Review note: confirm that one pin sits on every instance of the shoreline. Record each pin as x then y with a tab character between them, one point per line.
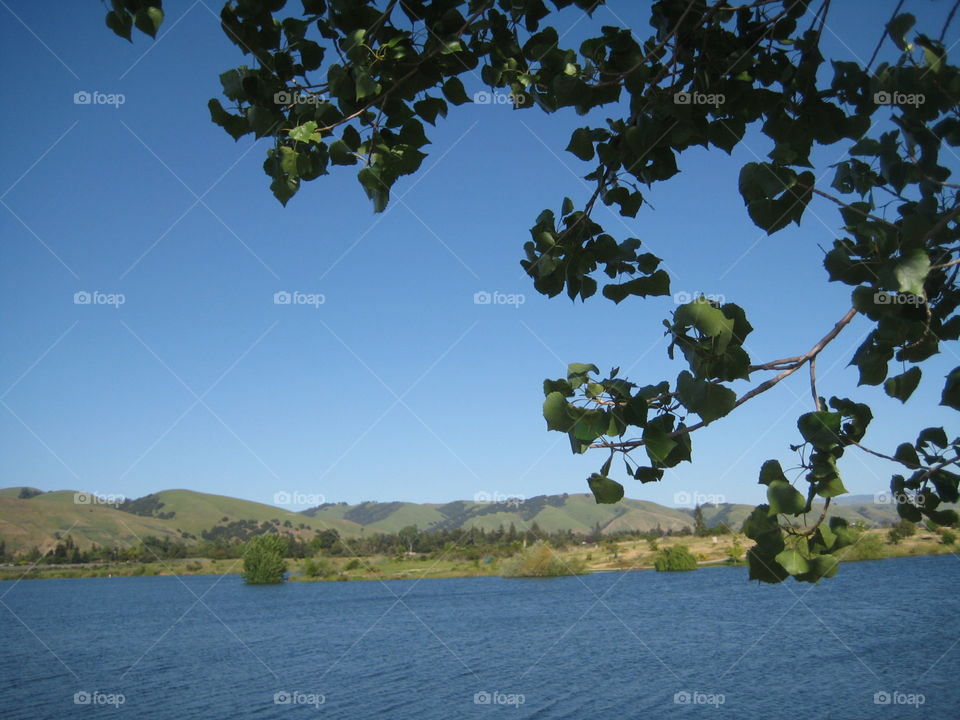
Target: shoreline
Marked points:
628	556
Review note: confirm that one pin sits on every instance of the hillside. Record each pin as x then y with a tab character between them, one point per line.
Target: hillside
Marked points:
185	515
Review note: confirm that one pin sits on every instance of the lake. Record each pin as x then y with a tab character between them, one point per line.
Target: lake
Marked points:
877	641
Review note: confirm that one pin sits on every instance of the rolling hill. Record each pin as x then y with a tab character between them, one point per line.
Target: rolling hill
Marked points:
35	518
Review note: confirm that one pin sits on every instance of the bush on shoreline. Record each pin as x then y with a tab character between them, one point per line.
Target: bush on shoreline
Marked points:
539	560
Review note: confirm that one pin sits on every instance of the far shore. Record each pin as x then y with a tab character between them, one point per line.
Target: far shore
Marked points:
603	557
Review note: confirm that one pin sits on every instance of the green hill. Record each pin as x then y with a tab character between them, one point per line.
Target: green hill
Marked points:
37	522
36	518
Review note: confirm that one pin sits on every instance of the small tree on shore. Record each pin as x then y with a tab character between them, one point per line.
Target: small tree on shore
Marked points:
263	562
674	558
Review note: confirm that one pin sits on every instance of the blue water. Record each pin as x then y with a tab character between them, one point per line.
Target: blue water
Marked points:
613	645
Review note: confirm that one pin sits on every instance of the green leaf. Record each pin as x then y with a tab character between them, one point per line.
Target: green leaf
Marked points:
902	386
604	489
793	561
305	133
375	187
453	91
148	20
898	28
429	108
657	284
911	271
121	24
709	400
581	144
236	125
771	471
555	412
823	566
365	85
784	499
648	474
764	568
821	429
761	181
951	390
708	319
658	443
763	528
262	121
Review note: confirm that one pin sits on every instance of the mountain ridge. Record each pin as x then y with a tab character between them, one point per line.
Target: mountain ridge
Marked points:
41	518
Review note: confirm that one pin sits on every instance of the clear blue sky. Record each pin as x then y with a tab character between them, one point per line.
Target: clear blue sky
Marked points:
398	387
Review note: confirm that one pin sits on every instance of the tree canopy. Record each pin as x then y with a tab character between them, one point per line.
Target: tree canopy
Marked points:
353	82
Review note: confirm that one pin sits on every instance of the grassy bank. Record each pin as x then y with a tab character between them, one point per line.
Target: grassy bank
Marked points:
632	555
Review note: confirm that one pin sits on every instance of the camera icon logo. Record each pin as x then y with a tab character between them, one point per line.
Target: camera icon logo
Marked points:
281	498
82	498
283	97
682	98
282	697
682	498
882	697
882	98
282	297
82	98
482	698
82	698
682	698
482	97
82	298
482	298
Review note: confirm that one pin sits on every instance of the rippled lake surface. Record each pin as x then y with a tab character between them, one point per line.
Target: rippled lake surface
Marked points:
874	642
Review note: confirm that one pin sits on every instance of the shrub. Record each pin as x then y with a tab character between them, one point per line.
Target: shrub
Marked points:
947	537
263	560
318	567
674	558
866	547
539	560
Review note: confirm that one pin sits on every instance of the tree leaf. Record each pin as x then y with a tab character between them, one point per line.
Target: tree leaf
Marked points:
604	489
821	429
793	561
581	144
902	386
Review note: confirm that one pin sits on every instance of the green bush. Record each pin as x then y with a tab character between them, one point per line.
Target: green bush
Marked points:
865	547
539	560
318	567
674	558
263	562
947	537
